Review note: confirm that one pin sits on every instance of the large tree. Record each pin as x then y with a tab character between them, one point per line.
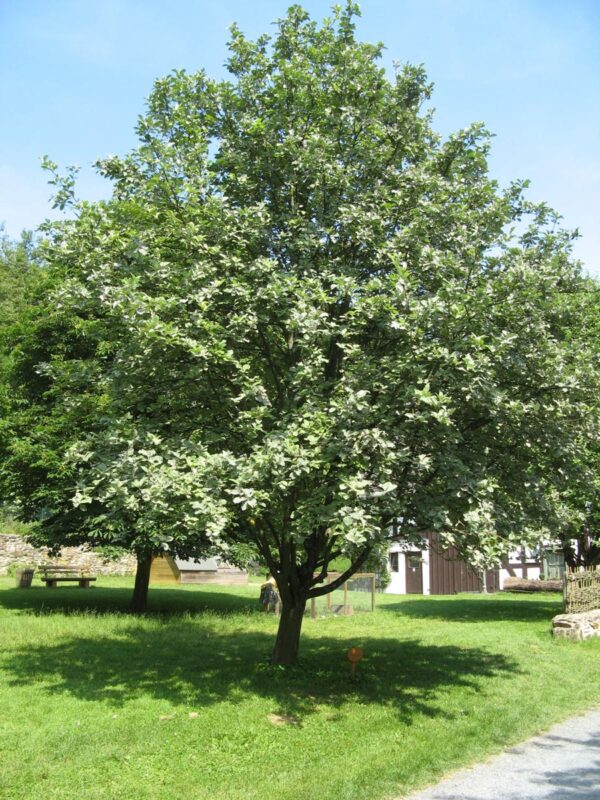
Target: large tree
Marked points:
79	457
332	307
87	470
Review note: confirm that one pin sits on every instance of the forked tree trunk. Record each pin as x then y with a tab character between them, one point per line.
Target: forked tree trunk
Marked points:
142	579
287	642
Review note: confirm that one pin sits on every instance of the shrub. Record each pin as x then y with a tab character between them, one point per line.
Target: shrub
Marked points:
16	566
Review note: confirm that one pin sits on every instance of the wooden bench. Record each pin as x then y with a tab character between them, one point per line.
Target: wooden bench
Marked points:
51	574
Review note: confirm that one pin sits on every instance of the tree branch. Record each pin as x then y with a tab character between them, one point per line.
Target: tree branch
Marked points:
330	587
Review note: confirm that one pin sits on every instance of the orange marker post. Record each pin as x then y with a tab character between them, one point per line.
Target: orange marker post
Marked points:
354	655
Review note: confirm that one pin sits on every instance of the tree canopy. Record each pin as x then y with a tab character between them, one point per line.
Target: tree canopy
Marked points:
20	274
305	317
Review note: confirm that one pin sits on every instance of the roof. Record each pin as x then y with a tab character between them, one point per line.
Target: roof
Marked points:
197	565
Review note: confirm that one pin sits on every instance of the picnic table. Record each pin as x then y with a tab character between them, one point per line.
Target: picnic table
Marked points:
51	574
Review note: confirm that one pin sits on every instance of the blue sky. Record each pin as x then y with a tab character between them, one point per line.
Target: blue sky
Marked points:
74	75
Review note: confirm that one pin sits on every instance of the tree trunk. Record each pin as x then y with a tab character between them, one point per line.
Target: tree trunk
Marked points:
287	642
142	579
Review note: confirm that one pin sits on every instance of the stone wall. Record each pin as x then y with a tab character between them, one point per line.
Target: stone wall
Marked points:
15	550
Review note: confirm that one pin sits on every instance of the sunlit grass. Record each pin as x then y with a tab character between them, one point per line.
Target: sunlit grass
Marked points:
97	703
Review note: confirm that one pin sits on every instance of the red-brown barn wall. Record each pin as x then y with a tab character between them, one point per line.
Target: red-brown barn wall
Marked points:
448	574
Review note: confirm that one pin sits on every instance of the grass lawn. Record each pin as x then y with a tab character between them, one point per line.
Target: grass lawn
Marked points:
97	703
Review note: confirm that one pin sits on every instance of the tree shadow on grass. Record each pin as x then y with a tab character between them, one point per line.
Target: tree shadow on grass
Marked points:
170	602
194	663
111	600
479	609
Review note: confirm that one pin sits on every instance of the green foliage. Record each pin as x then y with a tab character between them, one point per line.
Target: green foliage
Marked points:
377	562
110	553
10	524
20	276
17	566
19	273
577	490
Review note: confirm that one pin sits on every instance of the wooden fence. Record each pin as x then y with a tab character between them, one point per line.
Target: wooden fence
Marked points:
581	590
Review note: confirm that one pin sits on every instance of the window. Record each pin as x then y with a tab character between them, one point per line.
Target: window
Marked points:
394	562
414	561
553	566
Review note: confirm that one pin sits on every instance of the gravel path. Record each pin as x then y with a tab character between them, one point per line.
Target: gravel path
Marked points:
563	764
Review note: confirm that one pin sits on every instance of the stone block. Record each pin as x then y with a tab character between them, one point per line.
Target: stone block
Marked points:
567	633
580	626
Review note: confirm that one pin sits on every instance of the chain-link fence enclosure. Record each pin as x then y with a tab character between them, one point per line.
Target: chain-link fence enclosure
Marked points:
355	595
